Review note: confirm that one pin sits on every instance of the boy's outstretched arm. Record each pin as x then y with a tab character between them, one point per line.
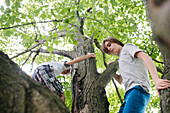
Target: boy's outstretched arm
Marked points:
81	58
159	83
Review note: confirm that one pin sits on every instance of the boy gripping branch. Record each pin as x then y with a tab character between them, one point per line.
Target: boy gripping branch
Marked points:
46	73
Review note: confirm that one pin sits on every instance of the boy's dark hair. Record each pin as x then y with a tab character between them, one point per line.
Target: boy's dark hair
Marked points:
111	40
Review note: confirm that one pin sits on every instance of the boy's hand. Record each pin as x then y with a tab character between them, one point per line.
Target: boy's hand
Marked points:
91	55
161	84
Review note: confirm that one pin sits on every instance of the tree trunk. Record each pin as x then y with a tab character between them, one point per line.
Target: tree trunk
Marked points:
20	94
158	12
88	86
165	94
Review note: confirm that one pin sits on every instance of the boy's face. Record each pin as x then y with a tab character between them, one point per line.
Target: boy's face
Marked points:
113	48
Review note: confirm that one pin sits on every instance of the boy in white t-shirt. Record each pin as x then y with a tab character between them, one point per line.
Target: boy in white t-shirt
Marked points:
46	73
133	67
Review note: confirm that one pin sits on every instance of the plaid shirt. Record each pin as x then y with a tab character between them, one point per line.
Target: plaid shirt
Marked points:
45	75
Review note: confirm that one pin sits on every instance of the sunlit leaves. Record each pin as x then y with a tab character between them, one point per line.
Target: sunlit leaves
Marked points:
43	16
50	49
123	19
113	2
113	98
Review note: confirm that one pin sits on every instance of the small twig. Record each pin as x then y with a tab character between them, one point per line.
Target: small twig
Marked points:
99	47
27	59
29	49
117	90
31	23
38	51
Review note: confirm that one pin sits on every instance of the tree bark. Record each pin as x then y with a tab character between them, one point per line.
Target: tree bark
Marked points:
20	94
158	12
88	86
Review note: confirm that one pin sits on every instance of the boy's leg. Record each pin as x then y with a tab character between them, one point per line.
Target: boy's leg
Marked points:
136	101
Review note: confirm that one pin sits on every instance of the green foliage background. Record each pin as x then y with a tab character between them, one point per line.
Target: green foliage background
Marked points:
21	21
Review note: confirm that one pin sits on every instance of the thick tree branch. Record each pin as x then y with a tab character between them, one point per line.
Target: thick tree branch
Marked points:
108	74
81	20
20	93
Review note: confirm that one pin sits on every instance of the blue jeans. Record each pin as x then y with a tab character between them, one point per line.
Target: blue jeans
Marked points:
136	100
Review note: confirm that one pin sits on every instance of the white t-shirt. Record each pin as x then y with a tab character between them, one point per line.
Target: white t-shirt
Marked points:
132	69
57	66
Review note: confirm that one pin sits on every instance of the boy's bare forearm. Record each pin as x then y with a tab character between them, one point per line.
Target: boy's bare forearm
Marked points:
78	59
81	58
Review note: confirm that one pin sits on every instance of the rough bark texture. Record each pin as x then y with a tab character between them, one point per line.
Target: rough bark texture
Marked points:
89	95
158	12
20	94
165	94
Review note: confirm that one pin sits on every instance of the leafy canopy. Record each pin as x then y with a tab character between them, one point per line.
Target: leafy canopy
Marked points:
23	21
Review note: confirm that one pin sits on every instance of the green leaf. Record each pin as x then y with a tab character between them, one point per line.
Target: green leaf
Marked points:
52	12
50	49
63	11
8	33
55	34
66	20
60	27
56	41
67	34
37	13
7	2
106	8
46	43
43	16
131	20
2	8
75	42
17	5
100	13
11	19
18	20
30	16
101	5
105	1
114	3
